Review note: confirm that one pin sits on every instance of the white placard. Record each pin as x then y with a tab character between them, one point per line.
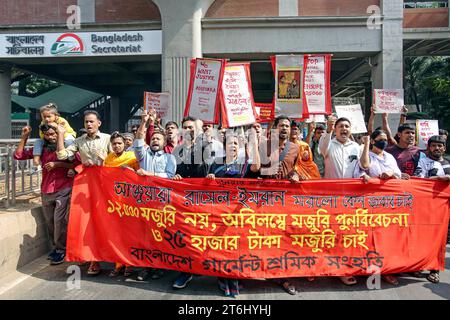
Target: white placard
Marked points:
202	103
314	86
318	118
237	98
425	129
388	100
81	44
354	114
160	102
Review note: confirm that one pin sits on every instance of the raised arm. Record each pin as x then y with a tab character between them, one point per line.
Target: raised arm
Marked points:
311	128
325	140
387	129
364	161
19	153
371	121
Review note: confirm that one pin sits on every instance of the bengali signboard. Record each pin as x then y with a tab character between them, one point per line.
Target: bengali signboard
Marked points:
251	228
81	44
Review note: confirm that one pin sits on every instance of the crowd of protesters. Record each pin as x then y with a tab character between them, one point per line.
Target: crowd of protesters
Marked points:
198	150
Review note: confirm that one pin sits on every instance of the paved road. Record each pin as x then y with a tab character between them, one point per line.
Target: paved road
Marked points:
41	281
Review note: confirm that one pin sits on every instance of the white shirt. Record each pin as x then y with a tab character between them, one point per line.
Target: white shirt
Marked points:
379	165
427	168
340	159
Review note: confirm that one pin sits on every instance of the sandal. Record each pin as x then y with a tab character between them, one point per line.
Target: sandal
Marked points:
289	288
433	277
127	272
94	269
348	281
390	279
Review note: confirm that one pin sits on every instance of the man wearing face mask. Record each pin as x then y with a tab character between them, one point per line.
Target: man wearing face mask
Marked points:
434	166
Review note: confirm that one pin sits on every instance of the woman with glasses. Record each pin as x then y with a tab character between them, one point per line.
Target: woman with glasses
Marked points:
120	158
232	166
377	163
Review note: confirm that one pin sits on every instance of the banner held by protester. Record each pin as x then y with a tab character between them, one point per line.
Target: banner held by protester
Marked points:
258	229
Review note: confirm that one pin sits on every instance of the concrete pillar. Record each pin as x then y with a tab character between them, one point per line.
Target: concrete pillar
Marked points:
5	102
113	115
387	70
87	10
182	41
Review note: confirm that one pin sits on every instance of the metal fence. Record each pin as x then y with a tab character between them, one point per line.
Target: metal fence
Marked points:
15	177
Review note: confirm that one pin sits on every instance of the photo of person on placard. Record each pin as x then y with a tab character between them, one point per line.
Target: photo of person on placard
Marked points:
289	84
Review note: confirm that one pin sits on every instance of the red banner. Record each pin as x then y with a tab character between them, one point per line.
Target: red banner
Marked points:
246	228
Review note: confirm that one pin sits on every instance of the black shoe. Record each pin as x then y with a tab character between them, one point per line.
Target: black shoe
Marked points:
51	254
143	274
58	258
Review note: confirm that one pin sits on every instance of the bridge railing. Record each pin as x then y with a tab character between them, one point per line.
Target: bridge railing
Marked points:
15	177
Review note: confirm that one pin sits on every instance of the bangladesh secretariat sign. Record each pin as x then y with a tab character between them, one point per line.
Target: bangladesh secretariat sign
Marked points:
147	42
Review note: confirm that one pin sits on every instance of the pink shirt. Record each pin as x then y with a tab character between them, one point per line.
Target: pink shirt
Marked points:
54	180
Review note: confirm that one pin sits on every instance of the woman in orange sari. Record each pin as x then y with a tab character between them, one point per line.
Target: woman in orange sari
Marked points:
120	158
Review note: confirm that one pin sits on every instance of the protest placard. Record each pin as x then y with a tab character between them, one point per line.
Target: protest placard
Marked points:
264	112
203	95
160	102
316	84
388	100
237	103
424	130
353	113
288	71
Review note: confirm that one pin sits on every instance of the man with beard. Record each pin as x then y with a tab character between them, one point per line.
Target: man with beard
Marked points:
190	164
434	166
153	161
56	187
341	156
171	130
405	153
281	166
285	155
